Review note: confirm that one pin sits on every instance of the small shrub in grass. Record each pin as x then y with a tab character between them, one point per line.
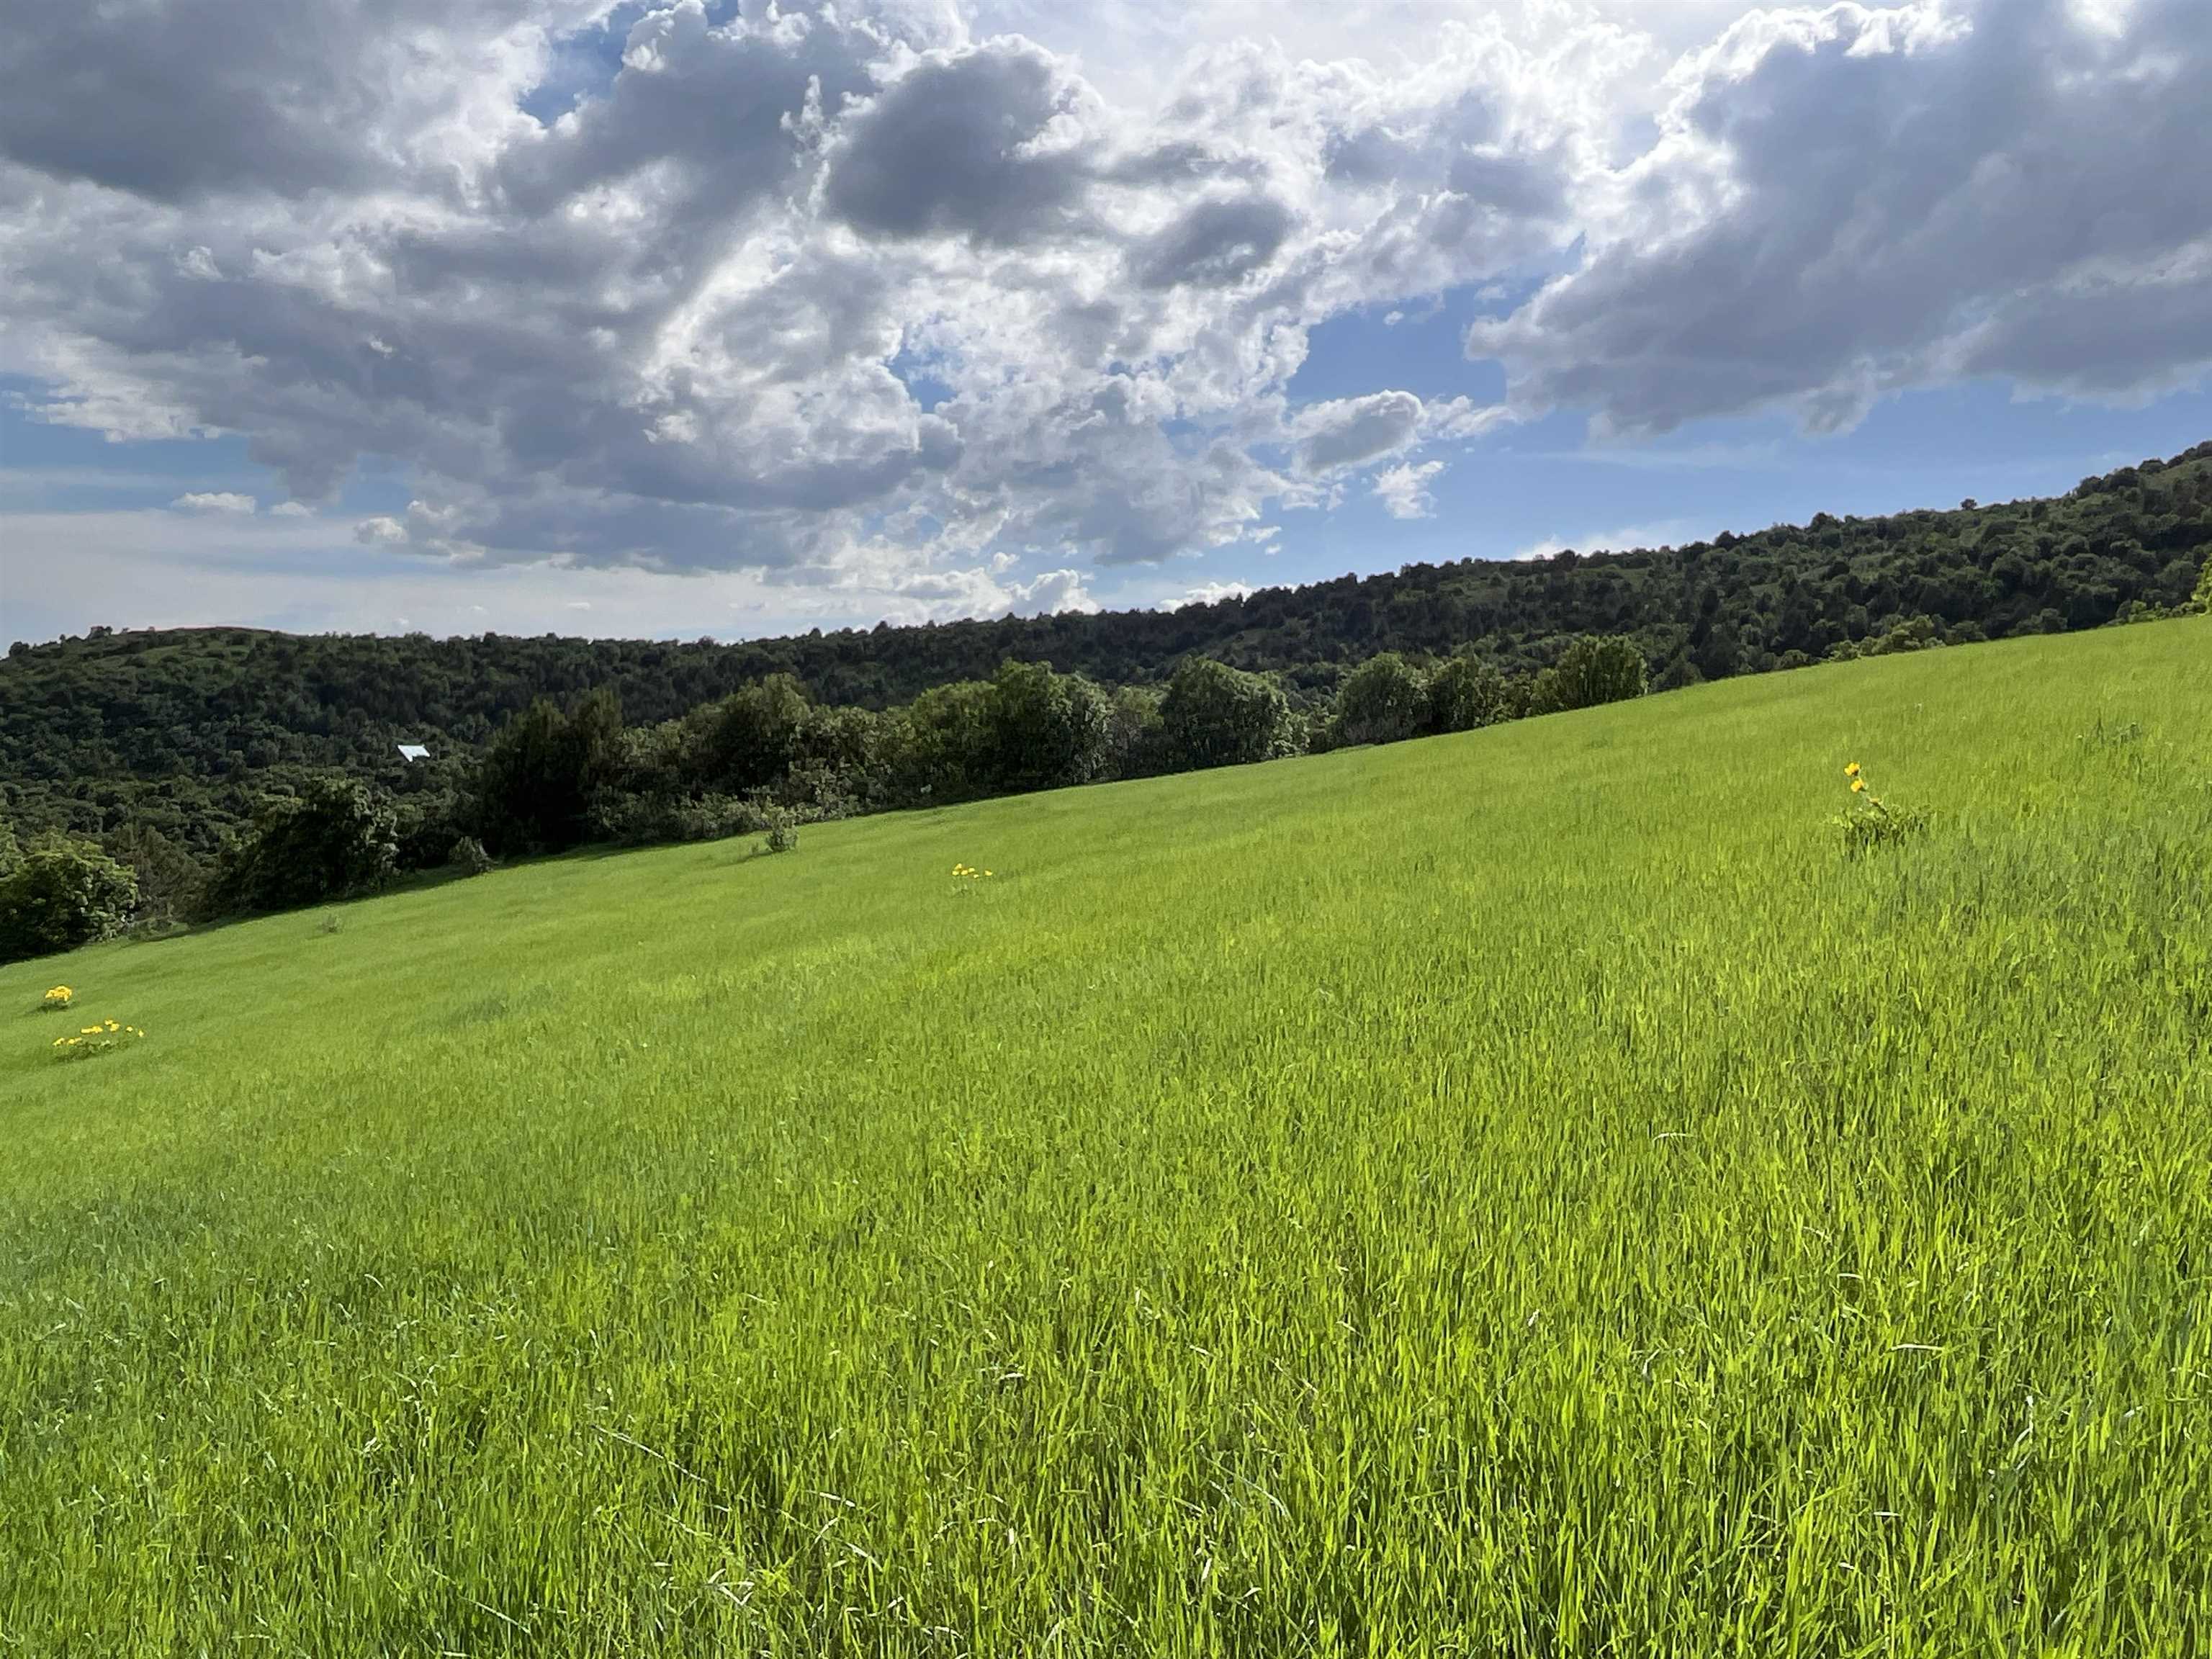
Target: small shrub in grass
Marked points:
468	857
782	836
58	999
1869	821
93	1040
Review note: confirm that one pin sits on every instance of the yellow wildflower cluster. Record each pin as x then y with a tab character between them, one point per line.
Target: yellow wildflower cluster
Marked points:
1858	783
57	999
968	873
103	1038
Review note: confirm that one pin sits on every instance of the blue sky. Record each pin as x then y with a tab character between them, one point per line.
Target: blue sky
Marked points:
653	318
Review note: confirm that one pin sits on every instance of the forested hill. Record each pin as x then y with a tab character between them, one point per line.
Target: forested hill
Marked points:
167	725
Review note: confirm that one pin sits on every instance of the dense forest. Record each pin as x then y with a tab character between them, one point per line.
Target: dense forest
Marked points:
181	733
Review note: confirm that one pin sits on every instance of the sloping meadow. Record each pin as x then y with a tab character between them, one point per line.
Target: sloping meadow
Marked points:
1529	1192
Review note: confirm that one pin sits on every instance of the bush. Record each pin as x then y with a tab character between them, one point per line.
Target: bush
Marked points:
468	857
782	836
938	748
1383	700
335	838
1045	731
1589	672
61	893
1466	693
1216	716
749	739
534	787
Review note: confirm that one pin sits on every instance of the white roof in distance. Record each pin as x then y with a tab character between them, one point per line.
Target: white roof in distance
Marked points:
413	751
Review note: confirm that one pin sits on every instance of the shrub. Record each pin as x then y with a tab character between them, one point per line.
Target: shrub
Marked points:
1869	822
782	836
61	893
1589	672
534	787
1466	693
1046	730
751	739
334	838
92	1042
1216	716
468	857
1383	700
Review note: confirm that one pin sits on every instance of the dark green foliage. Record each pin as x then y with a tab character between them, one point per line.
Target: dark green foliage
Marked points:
1384	699
1216	716
941	747
334	838
1465	692
751	739
469	858
1589	672
171	882
1045	731
534	789
178	734
61	892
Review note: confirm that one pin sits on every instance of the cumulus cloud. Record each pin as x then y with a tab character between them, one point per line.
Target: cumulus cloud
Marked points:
214	501
862	299
1845	203
1404	488
1349	430
1210	593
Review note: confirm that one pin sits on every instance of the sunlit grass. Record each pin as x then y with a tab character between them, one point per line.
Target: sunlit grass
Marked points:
1527	1194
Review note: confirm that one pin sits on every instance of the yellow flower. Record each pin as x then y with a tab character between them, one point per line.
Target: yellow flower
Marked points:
88	1031
1852	770
1858	786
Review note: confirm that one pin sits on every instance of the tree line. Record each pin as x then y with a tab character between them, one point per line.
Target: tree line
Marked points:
557	777
174	750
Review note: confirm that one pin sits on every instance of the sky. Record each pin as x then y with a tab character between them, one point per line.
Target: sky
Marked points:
727	318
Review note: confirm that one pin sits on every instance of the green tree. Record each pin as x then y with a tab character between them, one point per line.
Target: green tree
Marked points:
336	837
938	746
1383	700
60	893
753	737
1589	672
1046	730
534	789
1216	716
1467	692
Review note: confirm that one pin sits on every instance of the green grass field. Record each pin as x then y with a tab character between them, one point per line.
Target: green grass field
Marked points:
1522	1193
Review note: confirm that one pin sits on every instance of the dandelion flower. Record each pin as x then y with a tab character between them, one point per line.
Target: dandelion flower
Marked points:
1858	786
1852	770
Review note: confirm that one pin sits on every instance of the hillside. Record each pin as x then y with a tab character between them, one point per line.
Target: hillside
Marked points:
181	731
1521	1192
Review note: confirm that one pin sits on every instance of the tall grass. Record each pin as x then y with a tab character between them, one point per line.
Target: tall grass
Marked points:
1525	1194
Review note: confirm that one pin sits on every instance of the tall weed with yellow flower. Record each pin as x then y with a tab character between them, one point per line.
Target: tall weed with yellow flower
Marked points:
105	1038
1869	821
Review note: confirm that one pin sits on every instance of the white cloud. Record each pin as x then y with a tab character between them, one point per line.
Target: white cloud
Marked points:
1846	203
1404	488
214	501
1210	593
1625	539
292	510
687	325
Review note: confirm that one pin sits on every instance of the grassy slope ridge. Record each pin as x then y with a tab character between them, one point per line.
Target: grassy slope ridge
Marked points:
1522	1193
